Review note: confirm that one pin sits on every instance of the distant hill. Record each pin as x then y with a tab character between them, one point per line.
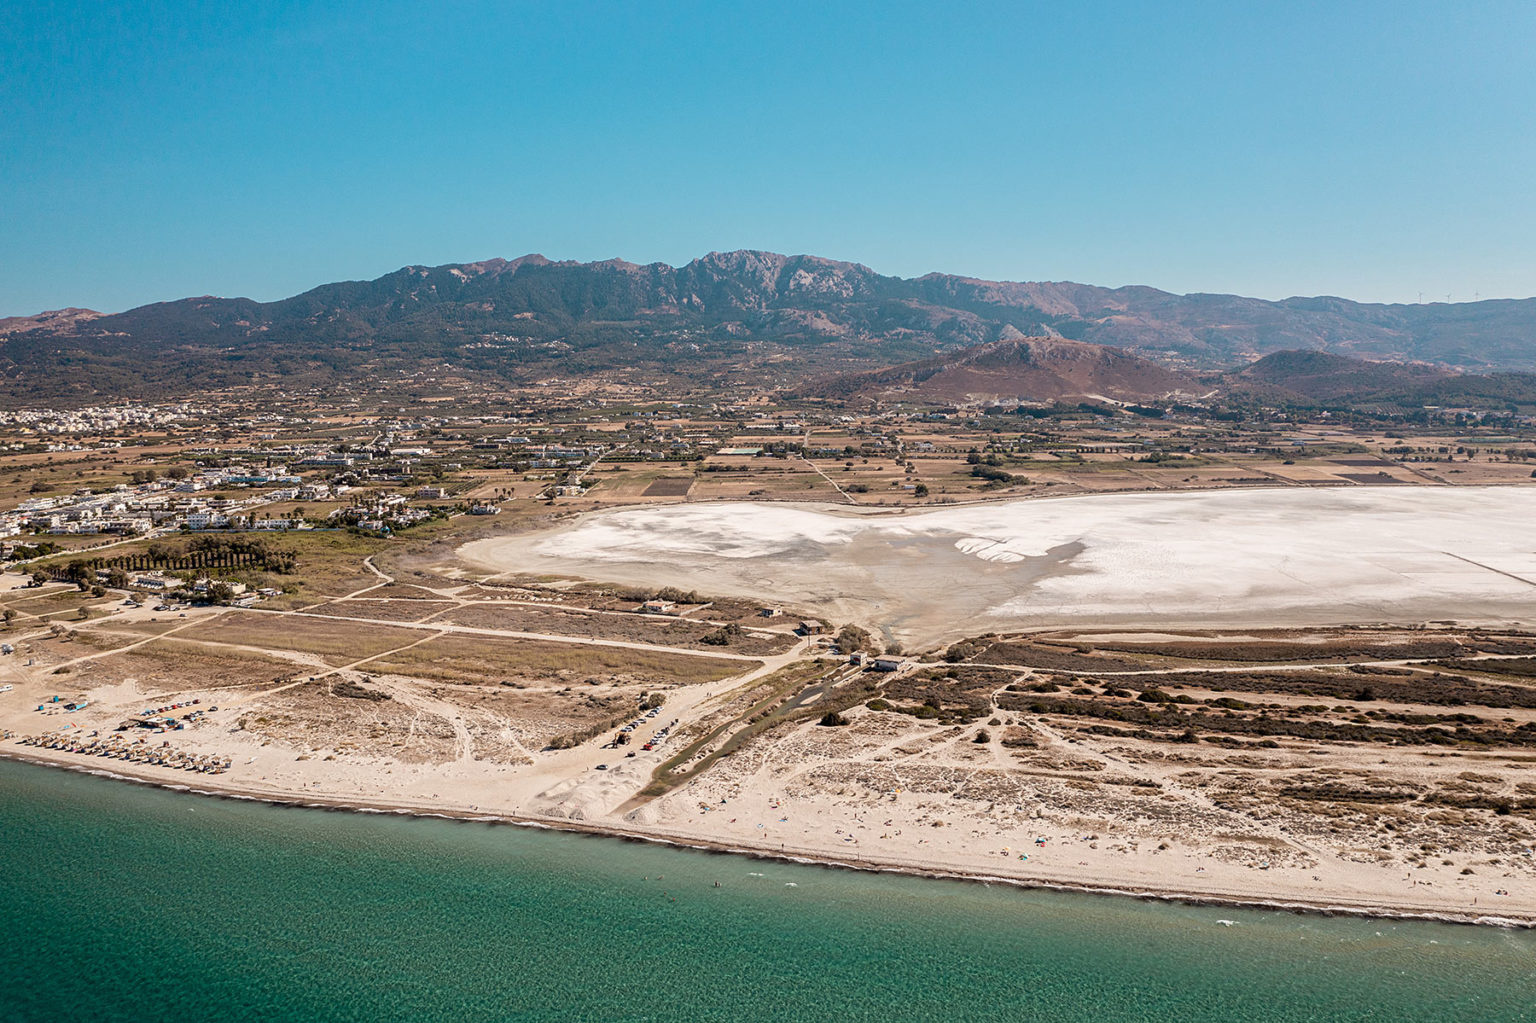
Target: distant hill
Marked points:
53	320
1032	369
727	318
1042	369
1321	378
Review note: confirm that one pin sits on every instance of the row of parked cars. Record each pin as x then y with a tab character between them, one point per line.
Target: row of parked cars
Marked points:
652	743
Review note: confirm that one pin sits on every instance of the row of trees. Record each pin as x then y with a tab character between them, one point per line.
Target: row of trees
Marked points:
203	553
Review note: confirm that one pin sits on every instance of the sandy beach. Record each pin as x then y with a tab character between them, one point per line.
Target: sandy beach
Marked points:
830	832
1044	800
863	797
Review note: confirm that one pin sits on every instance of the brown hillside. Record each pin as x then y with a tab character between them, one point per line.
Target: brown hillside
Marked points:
1031	369
53	319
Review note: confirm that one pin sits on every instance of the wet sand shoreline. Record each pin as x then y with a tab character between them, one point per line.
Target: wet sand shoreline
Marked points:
1397	910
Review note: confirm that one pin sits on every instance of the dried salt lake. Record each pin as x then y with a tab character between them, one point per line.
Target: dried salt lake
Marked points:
1229	557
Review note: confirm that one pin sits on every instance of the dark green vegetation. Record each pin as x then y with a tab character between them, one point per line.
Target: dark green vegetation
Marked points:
957	695
1377	685
1522	667
792	694
1176	723
352	691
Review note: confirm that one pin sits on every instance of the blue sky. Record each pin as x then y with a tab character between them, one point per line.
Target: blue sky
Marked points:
1371	150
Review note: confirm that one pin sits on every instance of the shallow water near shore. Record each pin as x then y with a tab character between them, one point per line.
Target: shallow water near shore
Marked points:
127	902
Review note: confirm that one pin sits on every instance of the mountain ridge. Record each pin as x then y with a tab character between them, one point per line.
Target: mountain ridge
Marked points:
699	320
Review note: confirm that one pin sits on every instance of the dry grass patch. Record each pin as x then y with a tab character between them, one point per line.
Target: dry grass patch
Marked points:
311	718
409	610
167	666
537	720
140	629
402	591
489	661
661	630
59	601
335	643
103	640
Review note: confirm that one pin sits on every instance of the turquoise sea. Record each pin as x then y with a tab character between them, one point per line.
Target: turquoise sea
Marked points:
124	902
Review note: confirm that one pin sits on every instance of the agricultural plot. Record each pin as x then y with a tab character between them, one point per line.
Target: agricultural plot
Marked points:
669	486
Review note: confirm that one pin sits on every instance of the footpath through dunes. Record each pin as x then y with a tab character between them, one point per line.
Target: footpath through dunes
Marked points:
1237	557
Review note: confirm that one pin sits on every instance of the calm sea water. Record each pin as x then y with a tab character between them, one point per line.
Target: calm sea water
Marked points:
122	902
